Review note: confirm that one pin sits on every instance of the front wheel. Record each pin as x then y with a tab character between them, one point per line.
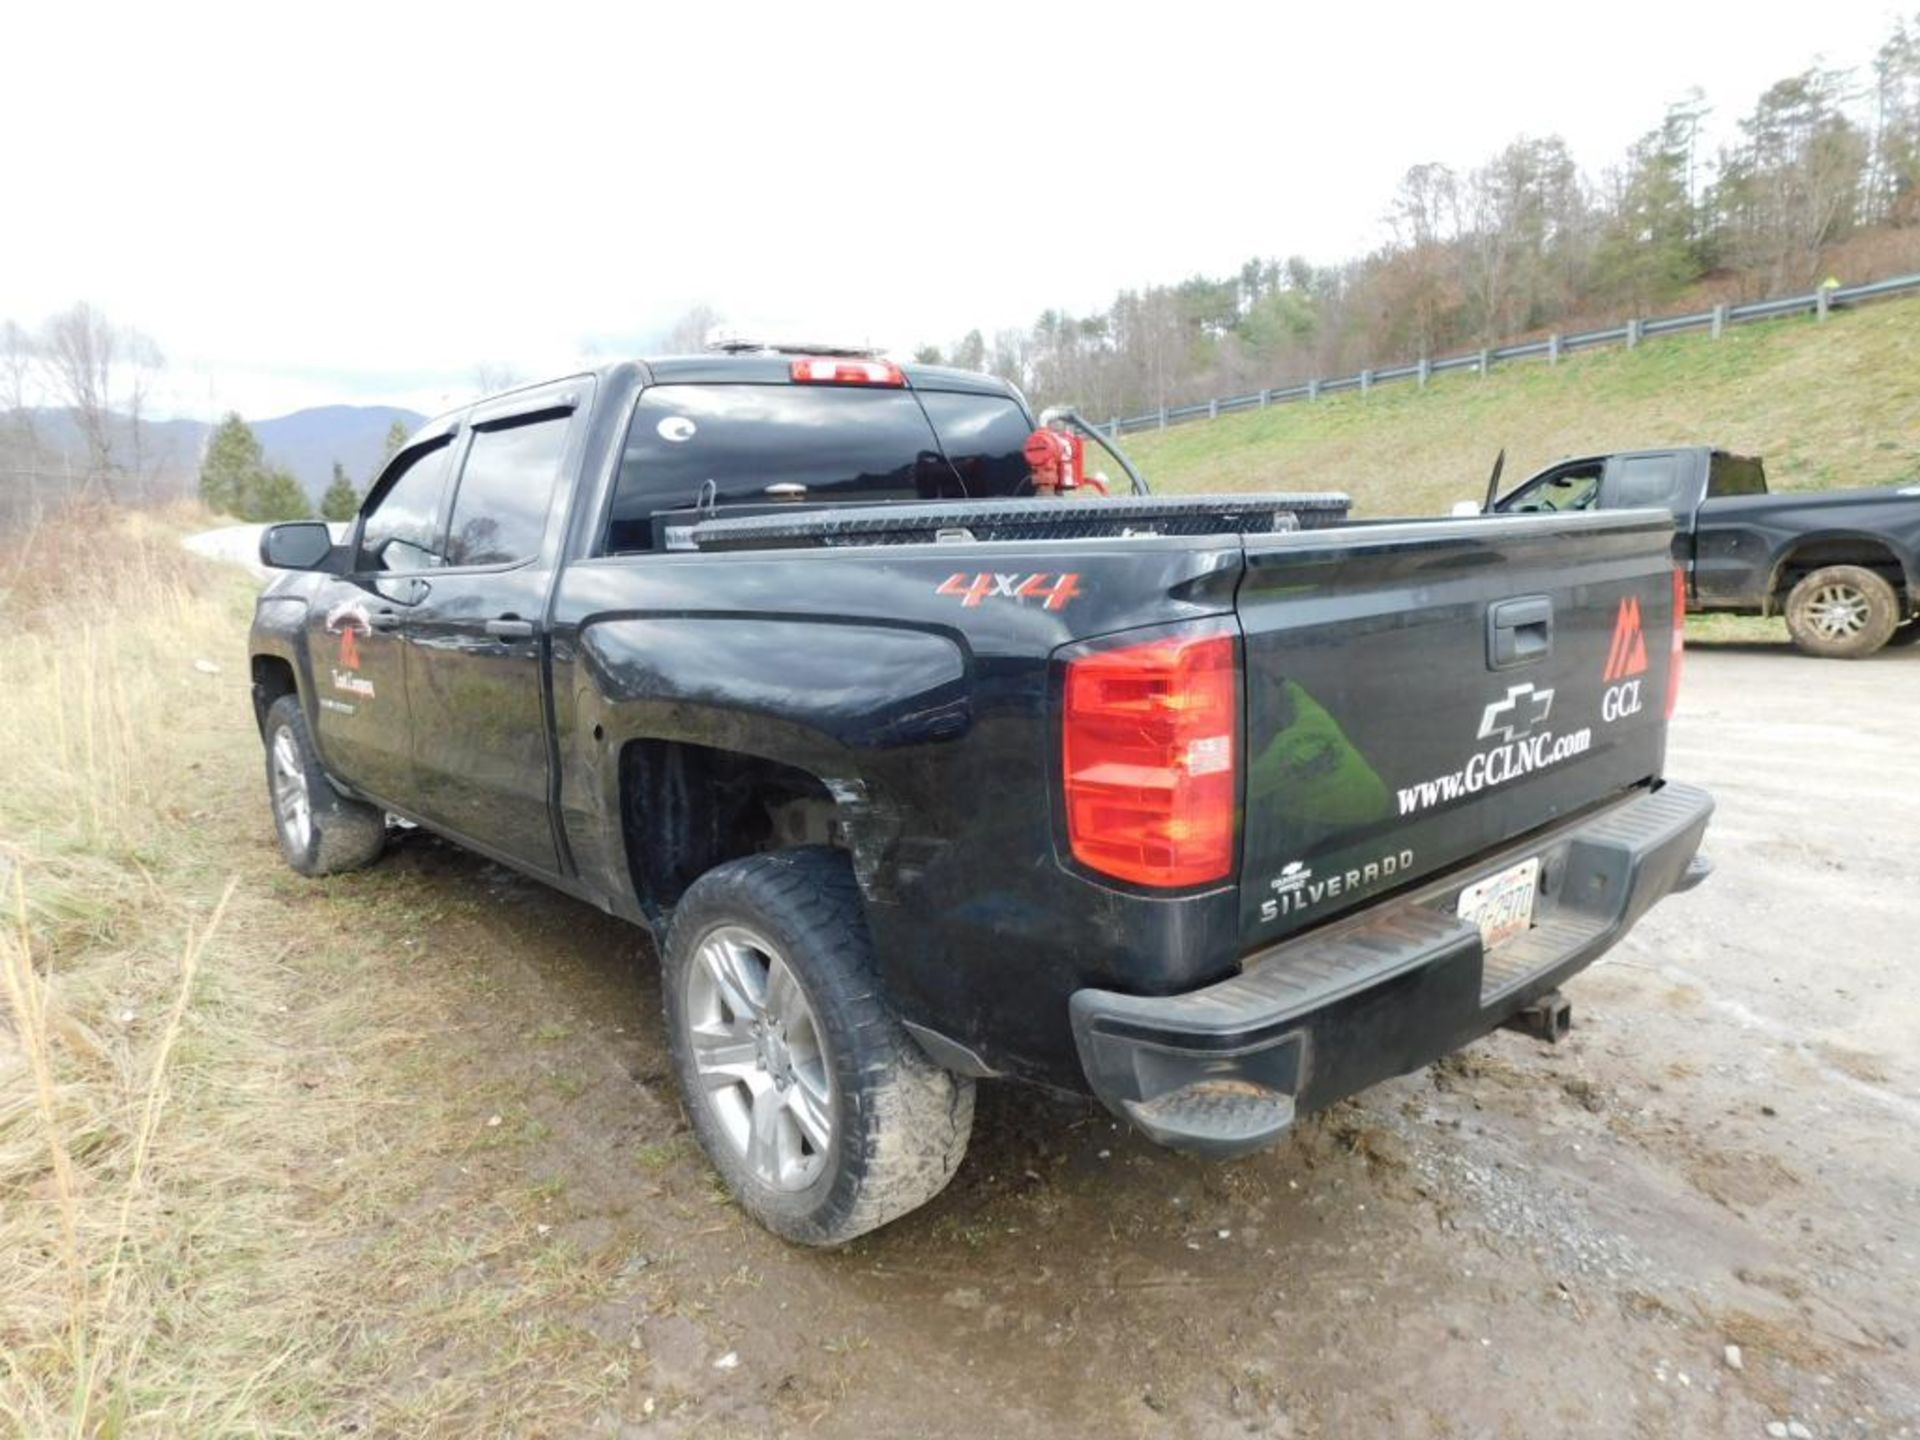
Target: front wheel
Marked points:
820	1112
1842	612
321	831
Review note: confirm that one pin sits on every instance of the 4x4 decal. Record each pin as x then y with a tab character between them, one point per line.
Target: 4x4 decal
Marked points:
972	589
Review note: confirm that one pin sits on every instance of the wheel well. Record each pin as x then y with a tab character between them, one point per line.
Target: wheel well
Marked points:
272	678
1803	560
686	808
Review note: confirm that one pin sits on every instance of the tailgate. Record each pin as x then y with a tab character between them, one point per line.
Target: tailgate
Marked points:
1418	693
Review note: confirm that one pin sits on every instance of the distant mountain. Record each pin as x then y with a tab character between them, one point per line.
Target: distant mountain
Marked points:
307	442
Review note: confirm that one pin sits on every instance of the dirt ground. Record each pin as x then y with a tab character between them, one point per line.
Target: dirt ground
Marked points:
1694	1217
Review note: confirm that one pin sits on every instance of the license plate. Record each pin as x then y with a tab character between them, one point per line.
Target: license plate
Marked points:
1501	905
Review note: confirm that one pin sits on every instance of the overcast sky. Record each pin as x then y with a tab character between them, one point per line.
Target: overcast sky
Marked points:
320	203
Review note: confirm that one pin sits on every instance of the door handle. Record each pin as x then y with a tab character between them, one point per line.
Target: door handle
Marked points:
384	620
1519	631
509	627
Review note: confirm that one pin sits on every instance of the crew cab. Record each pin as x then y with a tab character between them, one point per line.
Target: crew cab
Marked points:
1218	807
1843	566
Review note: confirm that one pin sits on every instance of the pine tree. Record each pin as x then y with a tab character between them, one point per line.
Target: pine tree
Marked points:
396	440
232	464
276	495
342	501
236	480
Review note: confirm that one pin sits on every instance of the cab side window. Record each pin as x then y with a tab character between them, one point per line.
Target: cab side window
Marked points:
401	531
505	490
1649	480
1575	488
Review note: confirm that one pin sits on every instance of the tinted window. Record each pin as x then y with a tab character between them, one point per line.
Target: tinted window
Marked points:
1648	480
1735	475
984	436
841	442
401	531
506	486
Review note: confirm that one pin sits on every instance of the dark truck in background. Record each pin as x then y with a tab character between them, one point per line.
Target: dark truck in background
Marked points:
1218	807
1843	566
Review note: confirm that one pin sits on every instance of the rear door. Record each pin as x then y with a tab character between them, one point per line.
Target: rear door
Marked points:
362	721
1663	480
476	644
1418	694
1731	556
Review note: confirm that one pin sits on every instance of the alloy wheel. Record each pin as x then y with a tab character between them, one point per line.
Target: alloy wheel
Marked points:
757	1047
291	805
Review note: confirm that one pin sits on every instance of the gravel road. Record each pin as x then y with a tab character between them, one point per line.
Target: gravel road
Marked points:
1694	1217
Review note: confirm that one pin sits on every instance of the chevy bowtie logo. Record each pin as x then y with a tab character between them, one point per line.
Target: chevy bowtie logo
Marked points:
1514	717
1628	655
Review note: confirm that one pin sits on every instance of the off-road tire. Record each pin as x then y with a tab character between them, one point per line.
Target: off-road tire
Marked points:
1871	597
341	833
900	1122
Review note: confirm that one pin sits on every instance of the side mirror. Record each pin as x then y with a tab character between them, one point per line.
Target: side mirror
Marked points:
296	545
1463	508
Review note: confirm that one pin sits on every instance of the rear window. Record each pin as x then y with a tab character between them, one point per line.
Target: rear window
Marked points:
1735	475
985	437
726	445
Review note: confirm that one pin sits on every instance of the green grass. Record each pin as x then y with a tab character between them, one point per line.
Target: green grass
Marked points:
1828	405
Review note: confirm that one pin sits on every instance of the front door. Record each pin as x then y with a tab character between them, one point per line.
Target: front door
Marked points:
476	657
355	631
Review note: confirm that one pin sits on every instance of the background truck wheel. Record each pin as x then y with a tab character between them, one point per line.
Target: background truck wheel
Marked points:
1842	612
820	1112
321	831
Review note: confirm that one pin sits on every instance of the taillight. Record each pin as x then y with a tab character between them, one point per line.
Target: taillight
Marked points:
1149	742
1679	651
837	370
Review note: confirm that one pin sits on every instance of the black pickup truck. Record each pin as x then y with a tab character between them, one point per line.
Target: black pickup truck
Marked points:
1221	808
1843	566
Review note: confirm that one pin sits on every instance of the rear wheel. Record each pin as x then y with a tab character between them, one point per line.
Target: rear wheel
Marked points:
1842	612
821	1113
321	831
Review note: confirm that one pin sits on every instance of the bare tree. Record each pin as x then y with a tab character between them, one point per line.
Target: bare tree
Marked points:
78	348
1426	222
19	357
19	438
490	377
1793	184
688	334
1893	177
93	369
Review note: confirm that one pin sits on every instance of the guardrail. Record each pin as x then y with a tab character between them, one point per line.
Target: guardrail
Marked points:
1632	332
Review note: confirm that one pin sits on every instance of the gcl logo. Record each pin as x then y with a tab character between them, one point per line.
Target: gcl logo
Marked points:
1628	653
1627	656
1620	701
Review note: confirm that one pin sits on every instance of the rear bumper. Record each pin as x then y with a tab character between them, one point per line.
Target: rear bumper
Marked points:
1226	1069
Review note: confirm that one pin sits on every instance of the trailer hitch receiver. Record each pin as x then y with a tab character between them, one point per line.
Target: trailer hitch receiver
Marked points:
1548	1018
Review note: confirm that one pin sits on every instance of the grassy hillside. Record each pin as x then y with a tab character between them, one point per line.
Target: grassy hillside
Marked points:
1834	404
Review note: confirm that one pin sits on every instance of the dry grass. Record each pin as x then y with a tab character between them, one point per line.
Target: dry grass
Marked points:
235	1195
145	1138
